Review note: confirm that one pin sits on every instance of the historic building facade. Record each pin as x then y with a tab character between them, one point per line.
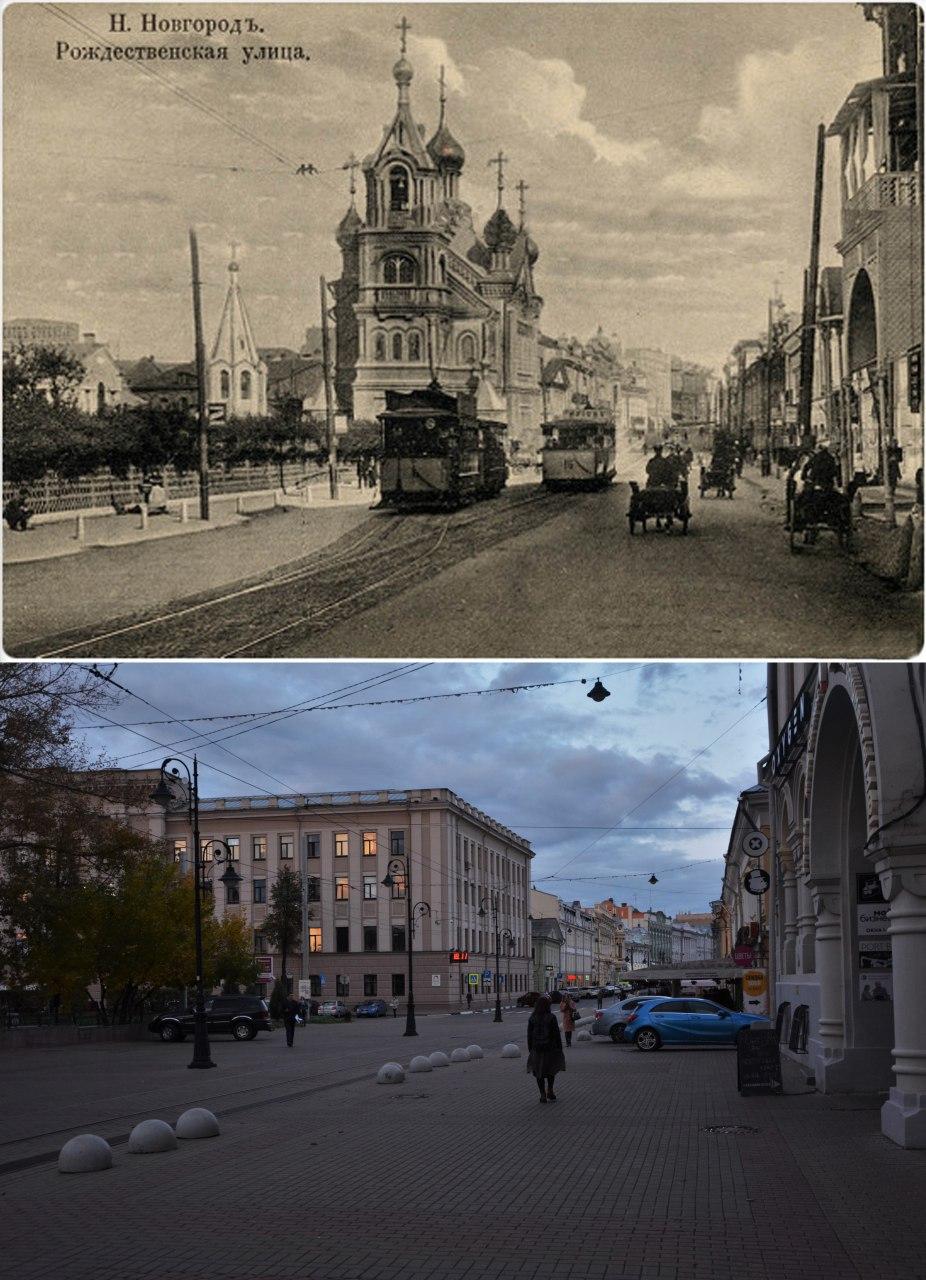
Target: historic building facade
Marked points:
423	296
236	376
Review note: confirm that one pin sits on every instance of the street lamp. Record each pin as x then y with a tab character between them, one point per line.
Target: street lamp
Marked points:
492	899
509	937
403	866
166	796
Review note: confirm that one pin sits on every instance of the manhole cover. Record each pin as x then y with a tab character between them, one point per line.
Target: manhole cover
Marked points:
730	1128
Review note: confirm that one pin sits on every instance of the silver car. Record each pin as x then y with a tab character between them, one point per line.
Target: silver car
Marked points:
610	1021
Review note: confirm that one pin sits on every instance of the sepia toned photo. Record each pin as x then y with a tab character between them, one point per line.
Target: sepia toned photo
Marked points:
516	331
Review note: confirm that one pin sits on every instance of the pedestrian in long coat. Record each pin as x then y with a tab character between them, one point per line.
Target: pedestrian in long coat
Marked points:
290	1014
568	1010
545	1048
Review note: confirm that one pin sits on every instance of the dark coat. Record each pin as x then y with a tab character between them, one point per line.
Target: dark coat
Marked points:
290	1011
550	1059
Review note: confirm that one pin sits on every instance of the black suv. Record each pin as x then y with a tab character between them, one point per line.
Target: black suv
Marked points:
243	1016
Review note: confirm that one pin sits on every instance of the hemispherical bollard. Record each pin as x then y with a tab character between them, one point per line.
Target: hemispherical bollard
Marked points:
197	1123
584	1035
438	1059
420	1063
86	1153
460	1055
474	1051
151	1136
390	1073
511	1051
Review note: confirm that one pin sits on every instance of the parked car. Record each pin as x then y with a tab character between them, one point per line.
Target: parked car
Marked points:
371	1009
333	1009
528	1000
611	1021
242	1016
657	1021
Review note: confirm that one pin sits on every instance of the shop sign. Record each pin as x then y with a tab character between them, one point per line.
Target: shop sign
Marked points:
914	379
754	844
435	979
876	986
756	881
758	1062
744	956
264	968
792	735
459	957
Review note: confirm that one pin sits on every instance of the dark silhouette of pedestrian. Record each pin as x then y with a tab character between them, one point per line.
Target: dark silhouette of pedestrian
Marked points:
568	1011
394	1006
545	1056
290	1014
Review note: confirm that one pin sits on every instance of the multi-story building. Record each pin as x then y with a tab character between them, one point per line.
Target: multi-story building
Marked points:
609	946
423	296
690	942
659	928
461	862
39	333
656	367
547	940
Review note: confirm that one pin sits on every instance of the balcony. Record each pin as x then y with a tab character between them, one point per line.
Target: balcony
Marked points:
400	299
882	191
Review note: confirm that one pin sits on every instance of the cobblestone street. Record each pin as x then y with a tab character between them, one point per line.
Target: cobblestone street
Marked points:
459	1173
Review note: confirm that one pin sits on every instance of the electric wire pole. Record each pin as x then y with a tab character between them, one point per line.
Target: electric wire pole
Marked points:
200	382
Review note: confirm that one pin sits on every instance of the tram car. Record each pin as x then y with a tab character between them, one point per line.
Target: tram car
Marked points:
579	450
437	453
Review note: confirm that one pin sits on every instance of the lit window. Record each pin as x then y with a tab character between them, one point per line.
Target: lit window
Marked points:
398	884
341	845
205	850
315	939
369	844
180	851
341	888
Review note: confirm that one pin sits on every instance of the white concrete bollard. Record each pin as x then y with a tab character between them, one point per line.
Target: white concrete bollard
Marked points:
583	1036
460	1055
474	1051
420	1063
151	1136
390	1073
80	532
511	1051
185	511
438	1059
197	1123
144	516
85	1154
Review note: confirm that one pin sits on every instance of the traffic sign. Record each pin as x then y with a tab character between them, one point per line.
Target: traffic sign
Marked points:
754	844
487	975
216	411
756	881
473	979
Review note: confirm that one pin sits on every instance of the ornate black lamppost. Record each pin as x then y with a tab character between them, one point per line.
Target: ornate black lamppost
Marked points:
509	943
492	899
402	864
168	796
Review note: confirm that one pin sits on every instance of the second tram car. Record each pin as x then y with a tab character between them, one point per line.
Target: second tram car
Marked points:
579	450
437	453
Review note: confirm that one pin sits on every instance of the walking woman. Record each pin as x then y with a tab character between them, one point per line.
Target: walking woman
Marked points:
545	1048
568	1010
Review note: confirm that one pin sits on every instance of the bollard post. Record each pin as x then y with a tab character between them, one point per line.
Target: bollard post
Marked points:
144	516
185	511
239	505
79	532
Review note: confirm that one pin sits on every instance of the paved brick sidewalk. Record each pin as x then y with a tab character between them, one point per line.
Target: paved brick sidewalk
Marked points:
460	1173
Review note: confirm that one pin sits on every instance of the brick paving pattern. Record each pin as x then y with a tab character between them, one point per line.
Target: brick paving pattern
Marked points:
461	1175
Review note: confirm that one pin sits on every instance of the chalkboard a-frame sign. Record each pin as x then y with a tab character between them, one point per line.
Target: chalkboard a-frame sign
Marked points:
758	1062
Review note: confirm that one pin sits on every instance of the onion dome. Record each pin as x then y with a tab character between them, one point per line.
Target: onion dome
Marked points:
500	232
402	71
446	152
347	227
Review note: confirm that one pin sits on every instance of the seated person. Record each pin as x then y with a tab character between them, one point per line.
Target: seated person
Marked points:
157	498
17	514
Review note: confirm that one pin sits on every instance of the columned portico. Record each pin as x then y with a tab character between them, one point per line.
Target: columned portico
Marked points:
827	1044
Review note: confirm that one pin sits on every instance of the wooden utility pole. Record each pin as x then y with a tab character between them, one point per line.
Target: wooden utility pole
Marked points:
768	382
808	321
200	382
330	437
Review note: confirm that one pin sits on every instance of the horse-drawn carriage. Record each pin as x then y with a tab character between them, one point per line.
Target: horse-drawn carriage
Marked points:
719	476
664	504
816	508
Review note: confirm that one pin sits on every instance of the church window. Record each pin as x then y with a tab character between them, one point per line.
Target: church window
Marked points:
245	385
399	269
379	347
100	398
397	346
467	349
414	345
225	384
398	187
443	269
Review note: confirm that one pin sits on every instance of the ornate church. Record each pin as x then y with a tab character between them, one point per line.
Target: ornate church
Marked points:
423	296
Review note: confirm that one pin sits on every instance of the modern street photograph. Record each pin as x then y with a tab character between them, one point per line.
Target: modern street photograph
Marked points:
510	331
462	970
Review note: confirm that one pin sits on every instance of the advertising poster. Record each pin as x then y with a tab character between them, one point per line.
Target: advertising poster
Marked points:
876	986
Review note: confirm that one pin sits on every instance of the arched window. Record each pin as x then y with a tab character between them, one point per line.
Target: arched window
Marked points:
467	349
100	398
245	385
397	346
443	269
224	384
379	346
414	345
398	187
399	269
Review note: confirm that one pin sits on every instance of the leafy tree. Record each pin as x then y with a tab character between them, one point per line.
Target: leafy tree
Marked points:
282	925
284	436
277	1001
228	953
40	373
361	438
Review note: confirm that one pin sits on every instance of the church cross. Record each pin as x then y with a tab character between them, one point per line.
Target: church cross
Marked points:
404	26
522	187
353	164
500	160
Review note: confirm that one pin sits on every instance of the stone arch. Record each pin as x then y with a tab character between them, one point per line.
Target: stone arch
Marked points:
862	324
850	679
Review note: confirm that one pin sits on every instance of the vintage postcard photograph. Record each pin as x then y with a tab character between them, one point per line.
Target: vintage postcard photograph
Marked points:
496	330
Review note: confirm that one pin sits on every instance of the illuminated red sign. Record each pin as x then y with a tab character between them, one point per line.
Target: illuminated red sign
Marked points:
459	956
571	977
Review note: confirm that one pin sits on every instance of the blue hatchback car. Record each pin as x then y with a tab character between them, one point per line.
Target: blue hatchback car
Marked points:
660	1020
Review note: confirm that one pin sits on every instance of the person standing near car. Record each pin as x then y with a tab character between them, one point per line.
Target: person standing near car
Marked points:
545	1056
568	1010
394	1006
290	1014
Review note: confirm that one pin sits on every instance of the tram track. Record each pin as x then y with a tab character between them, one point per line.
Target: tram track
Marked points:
311	594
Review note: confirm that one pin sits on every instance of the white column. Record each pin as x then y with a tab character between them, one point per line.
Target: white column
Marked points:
806	929
828	1042
903	882
790	928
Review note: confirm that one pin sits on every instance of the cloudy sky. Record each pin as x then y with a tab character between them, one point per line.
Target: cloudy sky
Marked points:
668	149
549	763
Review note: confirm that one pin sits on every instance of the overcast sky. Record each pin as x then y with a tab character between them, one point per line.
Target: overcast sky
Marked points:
549	763
668	147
